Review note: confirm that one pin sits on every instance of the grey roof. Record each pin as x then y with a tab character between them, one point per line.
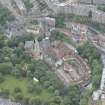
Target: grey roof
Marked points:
29	44
7	102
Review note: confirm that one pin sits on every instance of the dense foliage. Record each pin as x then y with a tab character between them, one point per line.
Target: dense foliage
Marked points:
17	71
60	21
55	35
28	4
16	40
90	53
5	15
101	7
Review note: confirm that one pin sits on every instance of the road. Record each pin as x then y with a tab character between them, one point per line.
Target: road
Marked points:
102	85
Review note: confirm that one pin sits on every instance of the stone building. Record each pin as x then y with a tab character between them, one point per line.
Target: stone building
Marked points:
98	16
34	29
33	49
79	9
93	1
79	32
47	25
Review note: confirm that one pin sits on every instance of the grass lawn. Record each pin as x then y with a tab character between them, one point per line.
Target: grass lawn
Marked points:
11	83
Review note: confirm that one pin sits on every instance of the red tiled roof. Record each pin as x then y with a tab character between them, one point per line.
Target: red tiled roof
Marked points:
60	51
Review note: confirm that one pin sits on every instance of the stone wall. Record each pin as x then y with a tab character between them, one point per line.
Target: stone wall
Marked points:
93	1
78	9
98	16
84	10
85	1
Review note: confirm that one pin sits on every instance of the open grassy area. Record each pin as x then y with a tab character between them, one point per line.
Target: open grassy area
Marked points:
11	83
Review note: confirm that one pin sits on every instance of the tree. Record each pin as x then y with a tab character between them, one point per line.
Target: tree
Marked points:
2	40
86	97
1	78
57	100
7	51
17	90
18	97
90	53
51	88
26	100
35	101
60	21
47	84
56	92
37	89
29	74
16	72
5	68
28	4
73	97
5	93
34	88
31	87
16	40
5	15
